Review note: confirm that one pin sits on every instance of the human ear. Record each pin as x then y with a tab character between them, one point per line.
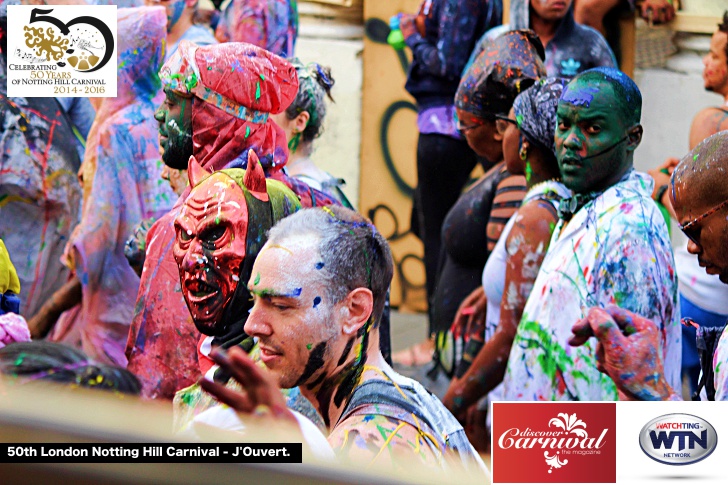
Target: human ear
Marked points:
358	305
300	122
634	137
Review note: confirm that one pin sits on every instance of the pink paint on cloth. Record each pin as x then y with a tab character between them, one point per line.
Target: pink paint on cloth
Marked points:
13	328
122	186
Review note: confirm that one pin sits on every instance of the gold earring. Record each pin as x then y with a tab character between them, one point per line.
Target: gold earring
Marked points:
523	153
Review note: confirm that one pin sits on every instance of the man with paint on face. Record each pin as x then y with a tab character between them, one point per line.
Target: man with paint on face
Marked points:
218	99
180	24
610	247
319	287
218	233
629	343
570	48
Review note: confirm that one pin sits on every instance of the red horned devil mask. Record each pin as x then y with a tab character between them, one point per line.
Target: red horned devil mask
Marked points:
219	231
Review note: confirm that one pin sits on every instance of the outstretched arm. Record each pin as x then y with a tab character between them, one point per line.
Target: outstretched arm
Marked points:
628	351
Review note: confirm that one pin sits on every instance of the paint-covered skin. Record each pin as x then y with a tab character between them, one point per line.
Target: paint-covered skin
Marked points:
615	251
122	187
270	24
211	231
715	72
174	12
590	137
628	351
573	49
174	116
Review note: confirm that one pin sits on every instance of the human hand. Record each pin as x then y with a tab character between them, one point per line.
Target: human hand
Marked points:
657	11
261	397
470	317
628	351
661	174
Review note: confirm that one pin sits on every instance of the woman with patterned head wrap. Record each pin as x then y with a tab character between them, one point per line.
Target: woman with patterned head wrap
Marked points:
528	149
303	122
219	98
472	227
122	187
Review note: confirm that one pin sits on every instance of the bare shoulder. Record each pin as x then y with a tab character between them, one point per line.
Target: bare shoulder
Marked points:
707	122
535	219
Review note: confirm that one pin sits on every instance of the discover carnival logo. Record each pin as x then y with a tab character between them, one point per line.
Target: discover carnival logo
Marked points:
678	439
571	442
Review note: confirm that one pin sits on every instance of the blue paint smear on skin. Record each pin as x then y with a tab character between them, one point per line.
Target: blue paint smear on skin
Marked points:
319	265
177	9
316	301
579	96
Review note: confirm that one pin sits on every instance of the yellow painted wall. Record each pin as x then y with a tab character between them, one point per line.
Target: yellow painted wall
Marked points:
389	123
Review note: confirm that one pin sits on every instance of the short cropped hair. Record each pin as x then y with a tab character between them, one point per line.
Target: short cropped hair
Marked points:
629	97
353	253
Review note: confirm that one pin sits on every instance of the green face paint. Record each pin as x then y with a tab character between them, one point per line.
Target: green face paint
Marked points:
175	129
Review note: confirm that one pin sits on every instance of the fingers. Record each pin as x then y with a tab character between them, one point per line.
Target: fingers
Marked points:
582	332
237	400
604	327
630	322
238	365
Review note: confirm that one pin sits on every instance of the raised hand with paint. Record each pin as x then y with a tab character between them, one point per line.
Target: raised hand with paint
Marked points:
319	287
610	247
628	352
509	274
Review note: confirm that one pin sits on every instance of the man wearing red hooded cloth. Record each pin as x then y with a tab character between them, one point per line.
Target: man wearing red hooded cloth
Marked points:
218	99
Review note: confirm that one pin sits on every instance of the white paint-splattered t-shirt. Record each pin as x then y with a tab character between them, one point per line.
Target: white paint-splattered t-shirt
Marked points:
614	251
720	368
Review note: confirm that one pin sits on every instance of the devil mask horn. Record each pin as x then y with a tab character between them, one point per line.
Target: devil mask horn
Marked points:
254	179
196	172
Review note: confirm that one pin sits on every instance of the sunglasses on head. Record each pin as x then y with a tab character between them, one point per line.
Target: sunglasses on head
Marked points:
692	228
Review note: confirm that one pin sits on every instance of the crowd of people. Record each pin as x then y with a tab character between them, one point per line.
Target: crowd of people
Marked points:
186	247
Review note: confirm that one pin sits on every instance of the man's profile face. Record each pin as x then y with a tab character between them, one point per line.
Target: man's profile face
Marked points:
209	247
715	62
589	137
551	10
175	129
294	322
711	232
174	8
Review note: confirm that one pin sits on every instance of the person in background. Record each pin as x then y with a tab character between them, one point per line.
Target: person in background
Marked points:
570	48
269	24
303	122
440	36
122	187
509	274
703	298
39	191
13	327
181	25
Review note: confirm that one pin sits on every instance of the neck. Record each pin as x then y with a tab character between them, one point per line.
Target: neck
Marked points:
304	150
179	28
537	171
545	29
330	391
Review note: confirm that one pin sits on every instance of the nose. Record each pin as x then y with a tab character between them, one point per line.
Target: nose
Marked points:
194	259
572	140
706	58
159	115
693	247
256	325
165	173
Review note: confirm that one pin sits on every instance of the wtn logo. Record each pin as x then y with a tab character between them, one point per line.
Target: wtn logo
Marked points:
678	439
665	439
